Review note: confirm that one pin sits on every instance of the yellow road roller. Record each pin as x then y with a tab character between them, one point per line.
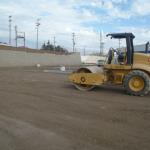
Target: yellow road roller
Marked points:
130	69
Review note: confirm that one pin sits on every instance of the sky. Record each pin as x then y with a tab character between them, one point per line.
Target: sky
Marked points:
86	18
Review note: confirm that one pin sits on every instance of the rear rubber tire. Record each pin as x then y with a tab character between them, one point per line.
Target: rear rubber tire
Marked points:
145	81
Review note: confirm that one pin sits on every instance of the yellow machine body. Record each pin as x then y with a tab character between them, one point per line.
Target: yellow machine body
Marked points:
142	62
130	69
87	78
113	73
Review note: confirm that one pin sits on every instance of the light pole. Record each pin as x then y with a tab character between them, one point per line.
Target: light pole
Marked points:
37	27
10	20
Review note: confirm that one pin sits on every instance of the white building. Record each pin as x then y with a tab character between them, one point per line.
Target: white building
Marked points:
141	47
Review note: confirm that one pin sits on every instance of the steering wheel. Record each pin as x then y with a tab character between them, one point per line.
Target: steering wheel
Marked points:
111	49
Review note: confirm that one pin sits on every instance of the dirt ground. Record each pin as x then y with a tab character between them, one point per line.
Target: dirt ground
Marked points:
43	111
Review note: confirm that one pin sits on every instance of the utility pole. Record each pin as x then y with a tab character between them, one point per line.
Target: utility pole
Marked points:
73	40
119	43
54	43
101	43
10	20
16	35
24	40
19	35
84	51
37	36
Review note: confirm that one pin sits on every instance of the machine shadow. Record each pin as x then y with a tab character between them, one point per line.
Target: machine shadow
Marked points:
105	89
110	89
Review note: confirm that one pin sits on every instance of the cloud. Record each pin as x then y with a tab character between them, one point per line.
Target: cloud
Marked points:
62	17
119	1
142	35
57	19
141	7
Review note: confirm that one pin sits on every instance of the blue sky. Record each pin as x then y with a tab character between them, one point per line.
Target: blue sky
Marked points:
84	17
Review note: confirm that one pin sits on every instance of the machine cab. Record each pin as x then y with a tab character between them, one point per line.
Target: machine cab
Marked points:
124	57
121	57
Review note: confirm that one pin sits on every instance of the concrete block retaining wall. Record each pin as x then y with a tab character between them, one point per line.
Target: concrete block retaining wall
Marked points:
9	58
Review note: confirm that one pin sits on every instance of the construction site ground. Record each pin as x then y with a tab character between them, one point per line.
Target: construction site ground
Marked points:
41	110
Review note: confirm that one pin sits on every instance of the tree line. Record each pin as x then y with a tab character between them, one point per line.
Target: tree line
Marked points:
50	47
